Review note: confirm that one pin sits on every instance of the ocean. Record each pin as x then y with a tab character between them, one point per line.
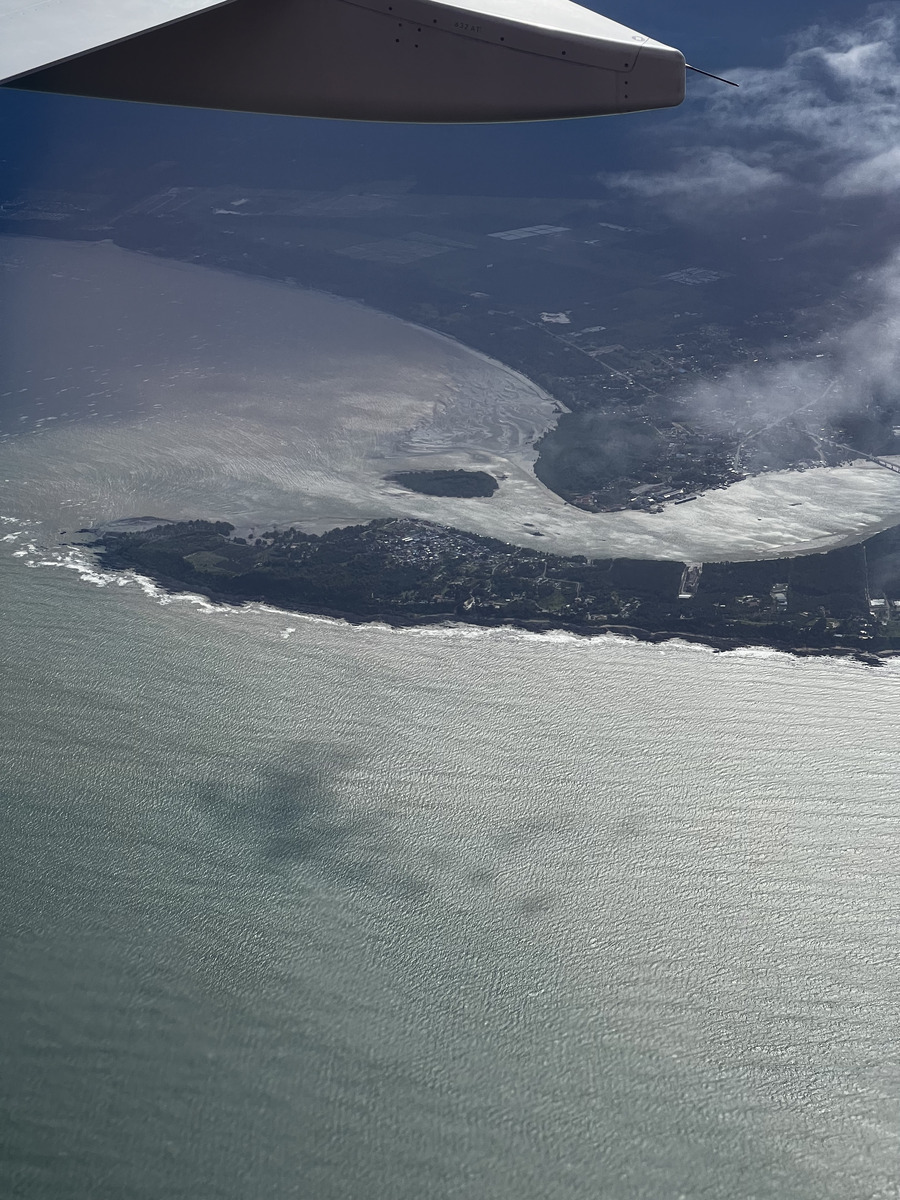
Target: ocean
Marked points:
293	908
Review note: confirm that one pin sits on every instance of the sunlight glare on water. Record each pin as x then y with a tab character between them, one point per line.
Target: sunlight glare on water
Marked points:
553	918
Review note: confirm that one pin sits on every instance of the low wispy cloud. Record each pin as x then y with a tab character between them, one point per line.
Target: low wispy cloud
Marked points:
858	362
708	176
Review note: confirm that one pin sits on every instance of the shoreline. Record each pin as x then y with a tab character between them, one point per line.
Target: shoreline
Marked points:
720	645
407	573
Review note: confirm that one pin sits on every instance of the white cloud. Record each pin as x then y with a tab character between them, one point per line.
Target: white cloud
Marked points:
825	125
705	178
879	175
828	118
862	359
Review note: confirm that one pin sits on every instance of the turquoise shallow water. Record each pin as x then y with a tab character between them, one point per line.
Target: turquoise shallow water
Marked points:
293	909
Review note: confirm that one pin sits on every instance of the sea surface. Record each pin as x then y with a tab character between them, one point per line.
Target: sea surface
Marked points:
296	909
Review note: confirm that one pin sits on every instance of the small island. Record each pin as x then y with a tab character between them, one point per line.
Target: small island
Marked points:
466	484
411	572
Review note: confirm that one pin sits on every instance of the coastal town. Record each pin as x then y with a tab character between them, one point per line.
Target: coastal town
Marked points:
404	571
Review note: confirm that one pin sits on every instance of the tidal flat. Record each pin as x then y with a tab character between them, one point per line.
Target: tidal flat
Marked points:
135	385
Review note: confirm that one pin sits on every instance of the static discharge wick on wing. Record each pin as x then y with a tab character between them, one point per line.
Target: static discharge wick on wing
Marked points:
730	82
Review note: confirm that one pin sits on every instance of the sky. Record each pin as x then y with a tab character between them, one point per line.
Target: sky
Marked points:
49	141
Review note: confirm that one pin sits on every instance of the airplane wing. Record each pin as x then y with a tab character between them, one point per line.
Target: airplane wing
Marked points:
38	33
381	60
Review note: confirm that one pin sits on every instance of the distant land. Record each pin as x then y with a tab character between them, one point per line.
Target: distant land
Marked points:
411	572
617	314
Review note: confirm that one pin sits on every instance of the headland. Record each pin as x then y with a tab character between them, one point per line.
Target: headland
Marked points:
413	572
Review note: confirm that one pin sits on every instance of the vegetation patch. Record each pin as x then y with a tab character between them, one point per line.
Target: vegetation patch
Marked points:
206	560
447	483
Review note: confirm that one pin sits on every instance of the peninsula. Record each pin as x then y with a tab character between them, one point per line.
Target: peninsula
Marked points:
410	572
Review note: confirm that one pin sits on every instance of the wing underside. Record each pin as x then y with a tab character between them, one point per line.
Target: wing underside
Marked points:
395	60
